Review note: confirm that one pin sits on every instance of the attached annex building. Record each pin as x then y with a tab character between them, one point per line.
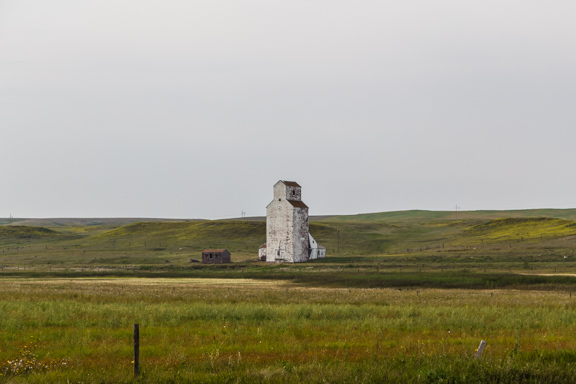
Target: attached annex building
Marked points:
287	236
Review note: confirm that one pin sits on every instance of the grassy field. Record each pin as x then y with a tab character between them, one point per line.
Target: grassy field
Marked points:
244	330
402	297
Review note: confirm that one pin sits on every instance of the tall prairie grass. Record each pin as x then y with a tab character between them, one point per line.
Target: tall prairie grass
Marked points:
242	331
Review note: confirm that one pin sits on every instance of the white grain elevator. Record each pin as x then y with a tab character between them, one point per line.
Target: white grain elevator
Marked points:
287	236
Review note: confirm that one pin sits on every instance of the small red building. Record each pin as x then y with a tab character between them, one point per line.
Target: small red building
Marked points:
215	256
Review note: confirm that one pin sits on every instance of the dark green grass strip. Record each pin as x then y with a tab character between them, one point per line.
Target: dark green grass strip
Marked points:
344	279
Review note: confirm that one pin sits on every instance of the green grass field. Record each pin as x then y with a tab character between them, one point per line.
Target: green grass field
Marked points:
244	330
402	297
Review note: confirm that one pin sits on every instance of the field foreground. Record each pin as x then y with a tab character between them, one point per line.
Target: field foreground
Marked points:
243	330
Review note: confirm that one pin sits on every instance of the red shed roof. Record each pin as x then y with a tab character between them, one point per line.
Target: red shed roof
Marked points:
297	203
291	183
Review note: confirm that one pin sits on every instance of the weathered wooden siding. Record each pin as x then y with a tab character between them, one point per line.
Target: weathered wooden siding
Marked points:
215	256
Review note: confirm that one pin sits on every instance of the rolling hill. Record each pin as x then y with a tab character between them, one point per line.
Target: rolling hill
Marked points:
434	235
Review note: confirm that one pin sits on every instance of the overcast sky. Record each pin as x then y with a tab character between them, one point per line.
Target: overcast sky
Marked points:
194	109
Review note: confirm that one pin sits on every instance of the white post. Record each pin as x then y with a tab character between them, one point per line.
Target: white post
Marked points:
480	349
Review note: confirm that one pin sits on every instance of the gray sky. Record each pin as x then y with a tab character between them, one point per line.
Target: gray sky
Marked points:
194	109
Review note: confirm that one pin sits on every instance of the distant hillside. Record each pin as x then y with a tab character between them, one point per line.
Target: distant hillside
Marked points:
422	215
526	235
526	228
193	235
393	216
79	222
22	232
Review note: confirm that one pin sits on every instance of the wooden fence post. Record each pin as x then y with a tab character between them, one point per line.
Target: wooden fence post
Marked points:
136	350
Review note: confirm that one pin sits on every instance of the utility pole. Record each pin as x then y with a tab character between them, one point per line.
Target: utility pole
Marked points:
243	214
457	209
